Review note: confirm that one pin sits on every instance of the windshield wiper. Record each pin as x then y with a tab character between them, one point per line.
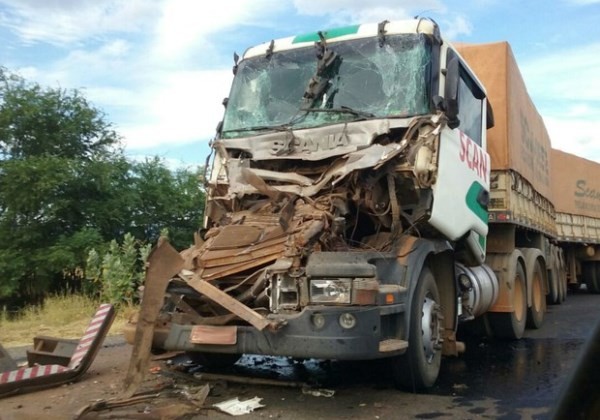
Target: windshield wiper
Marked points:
281	127
328	66
342	110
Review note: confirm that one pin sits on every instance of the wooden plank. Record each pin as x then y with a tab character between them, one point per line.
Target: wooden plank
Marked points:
218	296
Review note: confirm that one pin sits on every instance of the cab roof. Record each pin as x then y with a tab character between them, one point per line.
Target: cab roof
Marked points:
367	30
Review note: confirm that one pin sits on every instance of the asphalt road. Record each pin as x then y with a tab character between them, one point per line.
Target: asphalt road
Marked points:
493	379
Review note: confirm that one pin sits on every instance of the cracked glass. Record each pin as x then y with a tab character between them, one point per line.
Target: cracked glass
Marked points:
373	81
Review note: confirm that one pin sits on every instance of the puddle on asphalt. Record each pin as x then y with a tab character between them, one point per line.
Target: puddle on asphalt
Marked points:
524	373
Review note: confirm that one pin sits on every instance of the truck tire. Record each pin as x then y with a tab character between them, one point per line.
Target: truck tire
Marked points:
535	313
553	297
554	279
563	284
511	325
418	368
595	287
591	272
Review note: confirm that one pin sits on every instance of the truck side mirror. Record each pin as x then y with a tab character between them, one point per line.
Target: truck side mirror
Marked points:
451	93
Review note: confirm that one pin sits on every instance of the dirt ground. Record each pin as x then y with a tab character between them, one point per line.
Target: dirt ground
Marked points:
170	394
509	380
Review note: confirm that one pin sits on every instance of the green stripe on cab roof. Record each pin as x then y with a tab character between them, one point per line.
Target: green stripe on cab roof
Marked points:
331	33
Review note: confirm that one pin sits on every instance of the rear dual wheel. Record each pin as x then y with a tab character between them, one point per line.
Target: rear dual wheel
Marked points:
511	325
555	294
535	314
591	276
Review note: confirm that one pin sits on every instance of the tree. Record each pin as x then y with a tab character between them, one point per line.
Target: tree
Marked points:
66	187
58	160
166	199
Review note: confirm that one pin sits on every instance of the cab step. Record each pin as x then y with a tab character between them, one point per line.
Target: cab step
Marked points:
387	346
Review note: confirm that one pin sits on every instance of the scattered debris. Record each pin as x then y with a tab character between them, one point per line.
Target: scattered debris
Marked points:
247	380
47	368
110	404
235	407
163	262
459	387
318	392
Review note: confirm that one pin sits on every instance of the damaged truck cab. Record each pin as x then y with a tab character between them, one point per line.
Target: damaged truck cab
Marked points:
347	205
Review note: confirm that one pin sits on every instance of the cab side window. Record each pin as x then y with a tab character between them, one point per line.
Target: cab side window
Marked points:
470	103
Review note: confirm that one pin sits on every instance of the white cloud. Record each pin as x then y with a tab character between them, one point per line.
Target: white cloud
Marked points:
569	74
453	26
360	11
62	22
579	136
184	25
183	107
564	86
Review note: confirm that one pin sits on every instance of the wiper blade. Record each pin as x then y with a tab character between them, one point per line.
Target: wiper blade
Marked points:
342	110
281	127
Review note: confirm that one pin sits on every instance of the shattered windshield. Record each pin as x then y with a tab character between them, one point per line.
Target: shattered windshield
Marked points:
372	81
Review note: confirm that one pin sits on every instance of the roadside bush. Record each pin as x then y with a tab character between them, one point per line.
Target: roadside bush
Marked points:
116	275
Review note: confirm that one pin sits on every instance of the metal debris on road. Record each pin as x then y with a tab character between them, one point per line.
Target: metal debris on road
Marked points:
318	392
235	407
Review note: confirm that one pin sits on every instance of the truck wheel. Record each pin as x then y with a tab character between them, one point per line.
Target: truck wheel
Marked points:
511	325
595	287
535	314
563	284
554	284
213	360
590	276
419	367
554	279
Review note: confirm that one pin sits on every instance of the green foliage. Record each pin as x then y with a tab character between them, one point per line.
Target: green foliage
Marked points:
66	187
166	199
119	272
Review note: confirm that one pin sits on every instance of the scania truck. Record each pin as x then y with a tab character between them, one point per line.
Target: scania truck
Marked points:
363	201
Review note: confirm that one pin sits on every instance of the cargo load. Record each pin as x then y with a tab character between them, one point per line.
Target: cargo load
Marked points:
518	144
519	140
576	192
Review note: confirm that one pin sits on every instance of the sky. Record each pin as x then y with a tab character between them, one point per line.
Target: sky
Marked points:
159	69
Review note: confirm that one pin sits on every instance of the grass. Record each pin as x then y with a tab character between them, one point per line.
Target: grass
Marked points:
62	316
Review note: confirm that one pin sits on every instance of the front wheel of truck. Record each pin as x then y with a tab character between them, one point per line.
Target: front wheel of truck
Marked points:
419	367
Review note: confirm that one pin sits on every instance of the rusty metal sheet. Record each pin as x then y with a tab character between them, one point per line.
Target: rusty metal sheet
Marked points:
208	334
222	271
236	236
222	253
225	257
229	303
163	263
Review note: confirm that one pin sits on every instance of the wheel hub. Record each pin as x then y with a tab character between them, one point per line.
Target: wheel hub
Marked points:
431	327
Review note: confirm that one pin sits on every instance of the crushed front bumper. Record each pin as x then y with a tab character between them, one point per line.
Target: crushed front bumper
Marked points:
299	336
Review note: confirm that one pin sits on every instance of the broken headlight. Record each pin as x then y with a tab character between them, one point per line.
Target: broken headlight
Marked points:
331	291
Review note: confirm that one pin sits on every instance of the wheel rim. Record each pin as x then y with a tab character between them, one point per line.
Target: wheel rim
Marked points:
431	328
518	299
537	292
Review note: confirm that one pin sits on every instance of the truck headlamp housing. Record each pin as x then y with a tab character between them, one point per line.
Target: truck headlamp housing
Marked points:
331	291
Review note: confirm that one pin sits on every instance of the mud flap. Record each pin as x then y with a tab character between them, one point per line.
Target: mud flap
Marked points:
163	263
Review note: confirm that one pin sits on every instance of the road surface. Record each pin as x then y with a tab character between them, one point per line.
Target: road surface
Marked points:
508	380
